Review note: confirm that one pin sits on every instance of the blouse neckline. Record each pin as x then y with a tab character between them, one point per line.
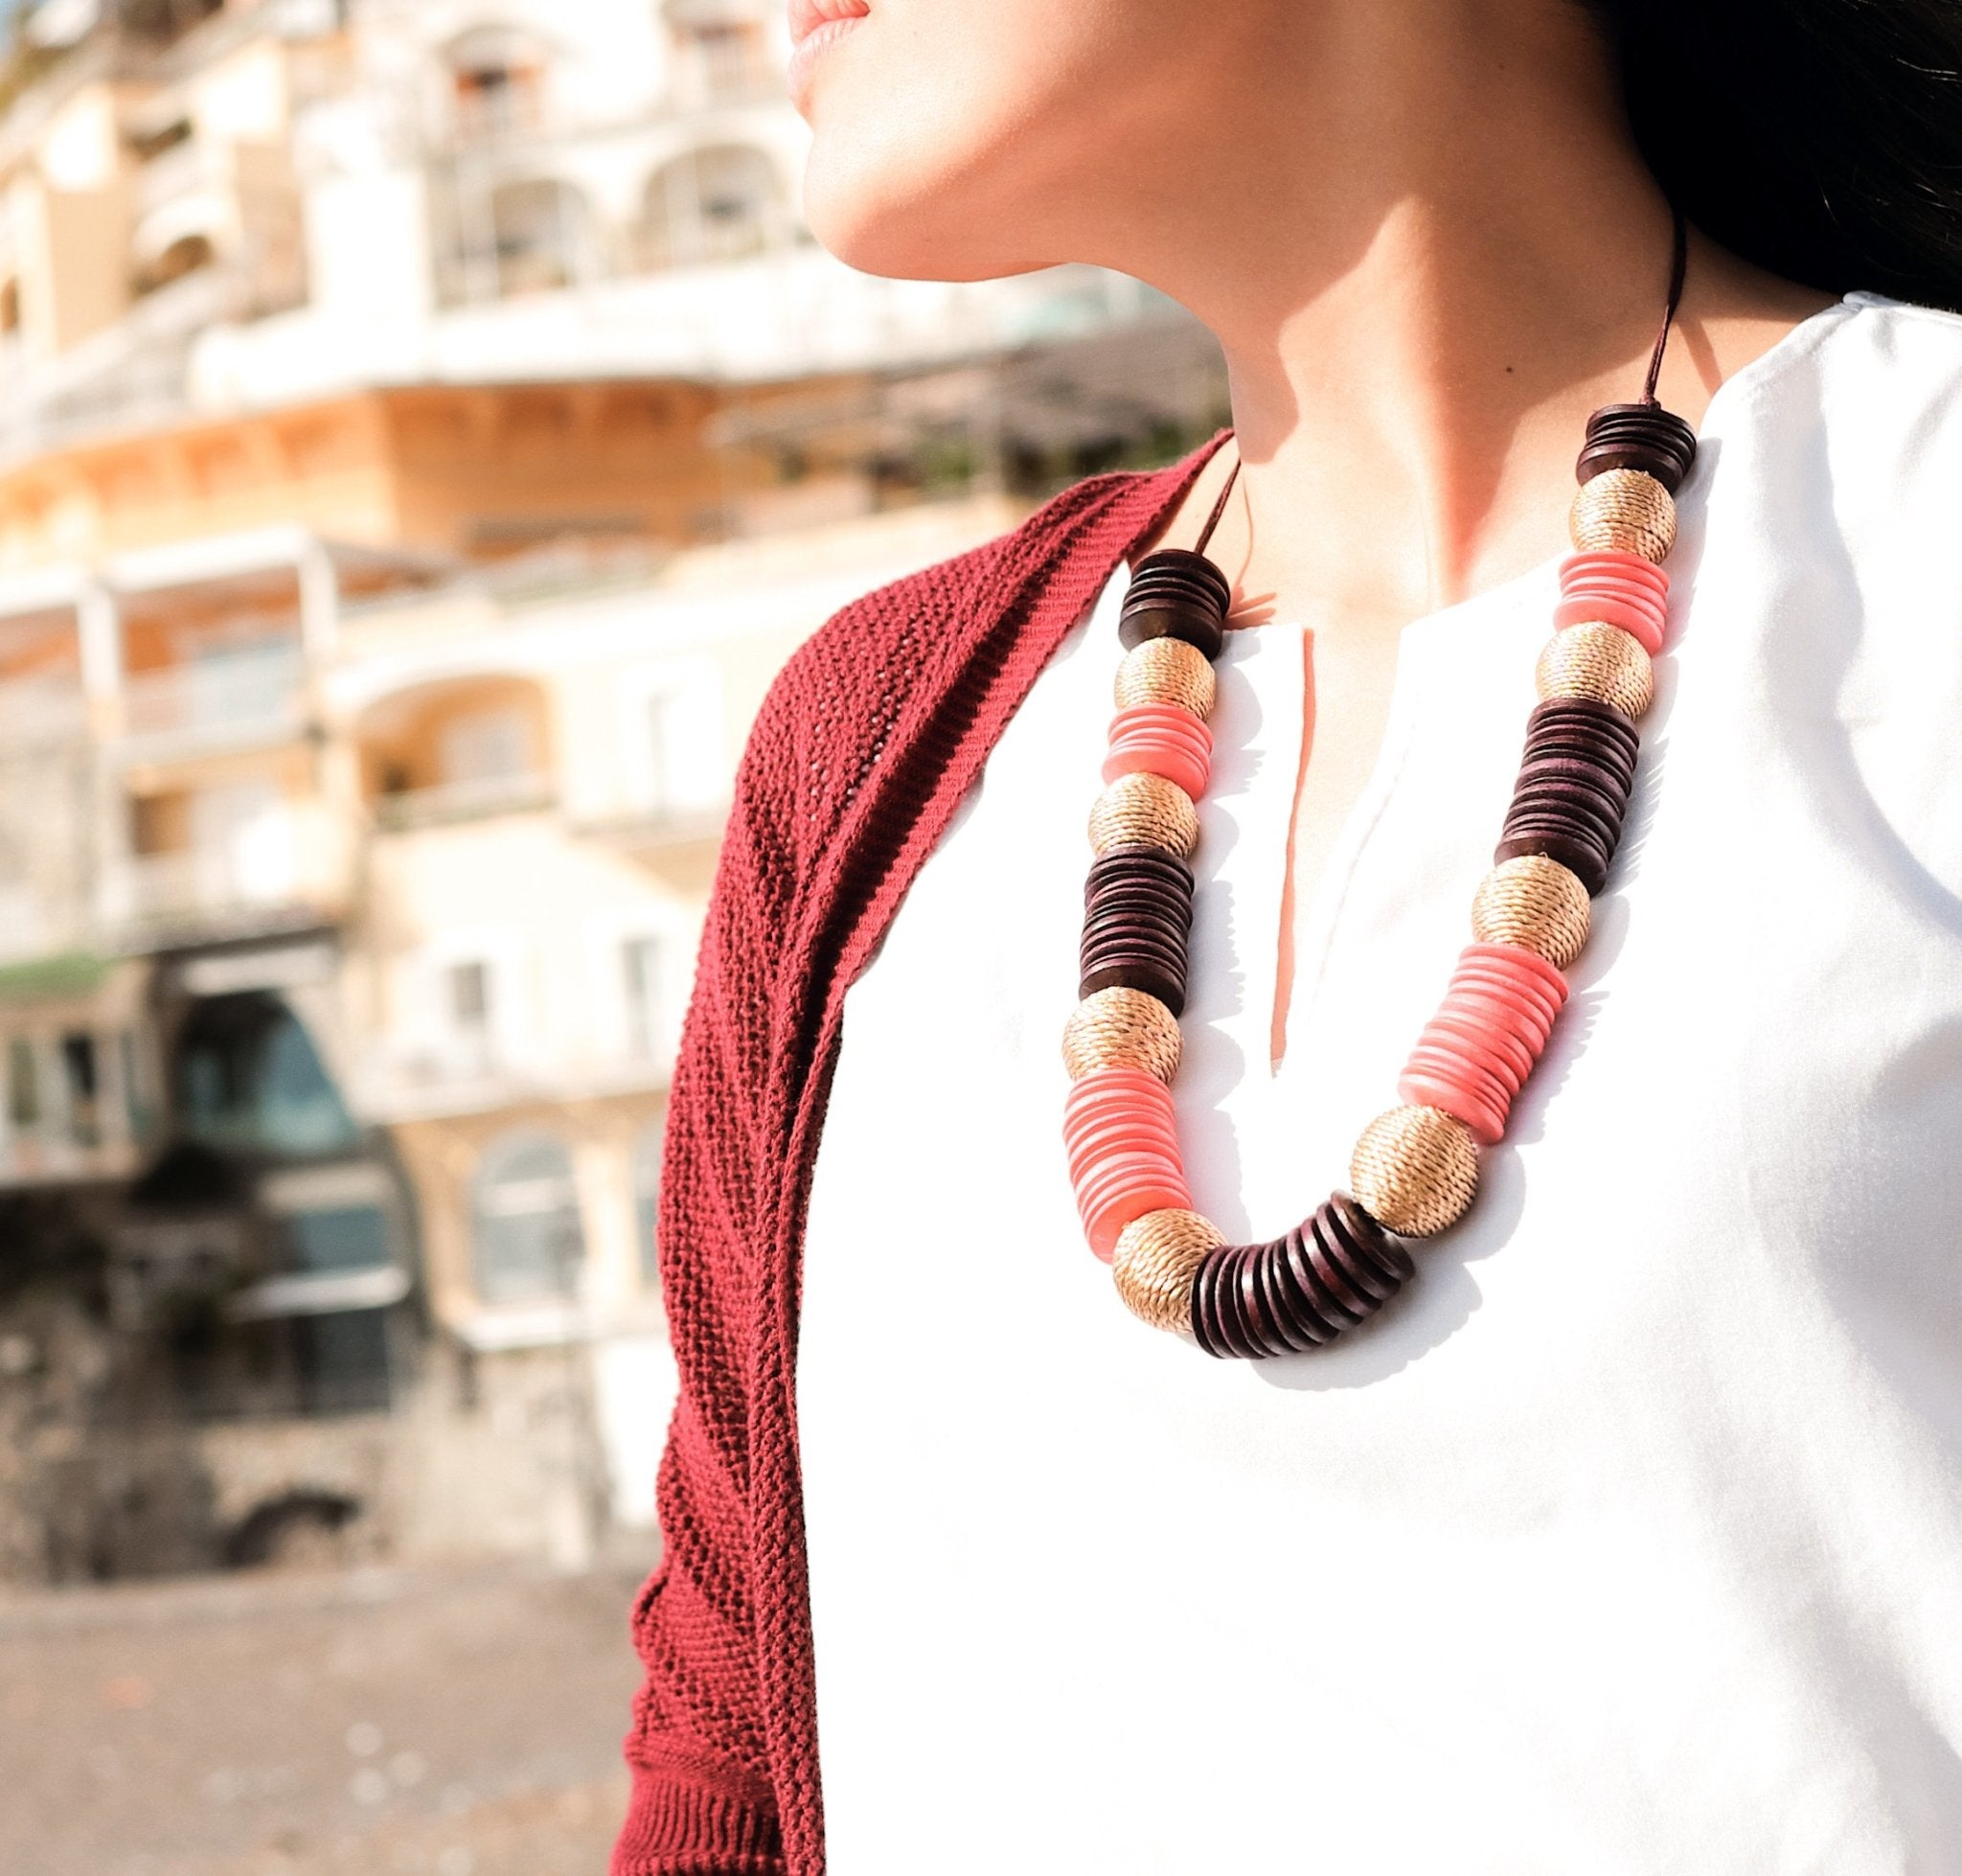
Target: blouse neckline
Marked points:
1268	656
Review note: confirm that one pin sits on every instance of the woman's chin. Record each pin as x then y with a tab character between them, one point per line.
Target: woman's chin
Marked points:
908	235
884	247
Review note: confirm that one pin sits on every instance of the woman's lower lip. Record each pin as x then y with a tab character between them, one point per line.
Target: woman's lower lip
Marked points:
808	51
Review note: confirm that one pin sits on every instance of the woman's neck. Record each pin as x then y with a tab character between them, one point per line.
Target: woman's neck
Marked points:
1421	294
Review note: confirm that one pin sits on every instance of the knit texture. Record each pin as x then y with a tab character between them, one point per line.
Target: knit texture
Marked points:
864	746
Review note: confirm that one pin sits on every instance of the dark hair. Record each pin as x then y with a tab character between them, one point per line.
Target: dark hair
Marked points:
1821	139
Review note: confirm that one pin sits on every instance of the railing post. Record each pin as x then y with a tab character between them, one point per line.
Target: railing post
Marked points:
99	628
320	604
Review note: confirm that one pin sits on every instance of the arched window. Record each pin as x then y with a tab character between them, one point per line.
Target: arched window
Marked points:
185	255
647	1195
497	77
526	1241
542	230
721	203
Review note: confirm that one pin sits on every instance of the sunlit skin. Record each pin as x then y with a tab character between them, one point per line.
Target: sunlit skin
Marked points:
1420	230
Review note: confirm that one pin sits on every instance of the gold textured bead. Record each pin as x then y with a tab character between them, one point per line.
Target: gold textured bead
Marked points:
1141	807
1119	1028
1167	671
1625	509
1415	1170
1597	661
1156	1258
1533	903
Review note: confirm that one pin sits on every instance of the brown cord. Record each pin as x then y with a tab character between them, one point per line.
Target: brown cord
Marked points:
1678	271
1219	505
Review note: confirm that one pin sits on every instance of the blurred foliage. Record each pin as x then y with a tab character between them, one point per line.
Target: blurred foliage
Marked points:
945	464
68	973
1040	473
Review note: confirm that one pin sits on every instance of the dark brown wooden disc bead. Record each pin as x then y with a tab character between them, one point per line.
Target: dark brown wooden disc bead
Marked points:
1298	1328
1304	1287
1297	1293
1139	931
1580	857
1378	1260
1237	1338
1135	973
1117	934
1570	804
1643	437
1119	910
1571	797
1128	959
1215	1318
1265	1283
1134	913
1593	743
1139	898
1135	861
1123	953
1307	1268
1549	837
1137	912
1338	1284
1569	816
1601	722
1541	771
1176	594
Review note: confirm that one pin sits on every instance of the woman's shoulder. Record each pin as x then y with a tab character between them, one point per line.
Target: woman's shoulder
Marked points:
882	667
1880	377
1913	337
1849	429
874	654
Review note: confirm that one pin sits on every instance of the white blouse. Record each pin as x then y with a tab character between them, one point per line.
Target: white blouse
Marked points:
1629	1538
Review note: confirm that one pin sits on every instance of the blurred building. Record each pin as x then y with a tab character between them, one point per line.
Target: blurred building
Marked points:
424	429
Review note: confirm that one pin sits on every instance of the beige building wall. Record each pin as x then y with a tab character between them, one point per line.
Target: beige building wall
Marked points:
368	399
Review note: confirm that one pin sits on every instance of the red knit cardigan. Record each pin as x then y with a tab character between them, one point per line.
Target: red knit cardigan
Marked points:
866	742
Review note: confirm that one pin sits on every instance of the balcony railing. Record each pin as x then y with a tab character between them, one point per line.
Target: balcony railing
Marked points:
474	800
493	113
294	868
718	69
31	1160
177	172
242	699
42	710
660	825
468	1076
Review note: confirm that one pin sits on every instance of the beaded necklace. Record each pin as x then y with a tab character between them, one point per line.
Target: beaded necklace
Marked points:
1414	1171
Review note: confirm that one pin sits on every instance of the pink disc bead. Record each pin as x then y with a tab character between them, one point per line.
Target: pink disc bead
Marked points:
1091	1148
1107	1092
1448	1093
1134	1187
1474	1055
1116	1110
1457	1025
1618	590
1479	990
1161	738
1120	1134
1545	983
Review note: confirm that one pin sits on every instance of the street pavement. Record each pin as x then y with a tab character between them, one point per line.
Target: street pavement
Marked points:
390	1722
